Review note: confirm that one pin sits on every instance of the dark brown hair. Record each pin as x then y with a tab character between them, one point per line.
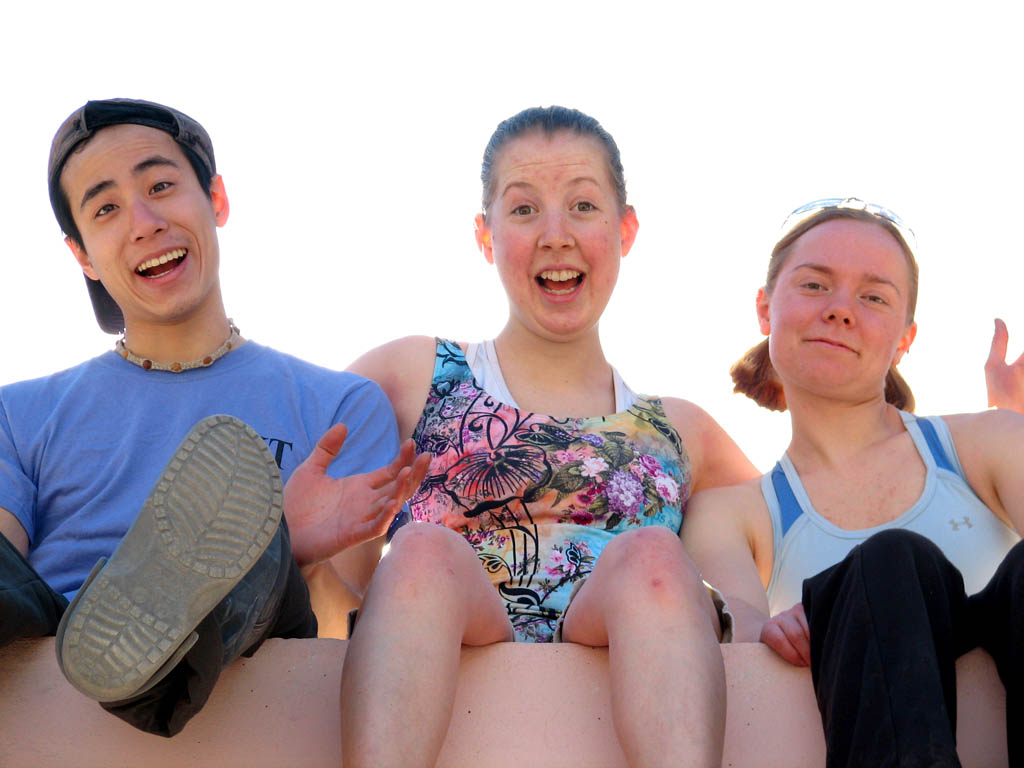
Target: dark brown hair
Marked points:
551	120
753	374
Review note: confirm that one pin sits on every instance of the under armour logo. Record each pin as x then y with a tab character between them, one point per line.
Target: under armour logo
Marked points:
966	521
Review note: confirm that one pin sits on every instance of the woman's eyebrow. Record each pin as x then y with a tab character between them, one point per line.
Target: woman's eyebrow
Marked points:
816	267
516	185
826	270
883	280
526	185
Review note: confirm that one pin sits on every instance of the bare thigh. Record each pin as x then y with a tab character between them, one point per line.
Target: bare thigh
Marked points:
432	569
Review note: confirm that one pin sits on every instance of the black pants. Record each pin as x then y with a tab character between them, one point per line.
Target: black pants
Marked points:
887	625
272	600
28	607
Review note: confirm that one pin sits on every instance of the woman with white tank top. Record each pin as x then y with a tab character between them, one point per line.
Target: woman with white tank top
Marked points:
866	531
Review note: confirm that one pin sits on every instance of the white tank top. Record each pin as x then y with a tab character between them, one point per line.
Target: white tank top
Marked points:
483	362
948	512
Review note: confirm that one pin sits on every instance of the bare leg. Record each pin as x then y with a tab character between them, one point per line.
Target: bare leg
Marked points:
428	597
646	602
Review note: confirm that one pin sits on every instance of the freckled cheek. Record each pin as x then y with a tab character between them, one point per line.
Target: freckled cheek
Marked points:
791	321
508	254
888	339
600	243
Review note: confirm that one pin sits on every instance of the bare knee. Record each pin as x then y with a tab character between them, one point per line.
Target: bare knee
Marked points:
431	570
428	542
651	554
650	568
426	557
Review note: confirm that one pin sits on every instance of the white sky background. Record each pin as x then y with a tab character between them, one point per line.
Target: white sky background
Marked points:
350	143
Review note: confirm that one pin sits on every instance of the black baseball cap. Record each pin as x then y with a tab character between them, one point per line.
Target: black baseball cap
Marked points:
83	123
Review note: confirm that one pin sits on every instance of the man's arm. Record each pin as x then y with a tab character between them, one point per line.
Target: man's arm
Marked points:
13	531
16	488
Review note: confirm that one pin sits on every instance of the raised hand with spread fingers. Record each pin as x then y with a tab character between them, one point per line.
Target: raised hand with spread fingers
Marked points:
1005	381
327	515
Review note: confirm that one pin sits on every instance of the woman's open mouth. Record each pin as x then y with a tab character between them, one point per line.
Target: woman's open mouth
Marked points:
560	281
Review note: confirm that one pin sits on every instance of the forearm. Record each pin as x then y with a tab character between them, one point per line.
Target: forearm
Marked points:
355	566
331	600
747	620
13	531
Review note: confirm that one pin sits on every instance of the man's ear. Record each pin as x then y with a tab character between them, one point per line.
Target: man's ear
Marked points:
483	237
904	346
628	229
82	258
763	315
219	197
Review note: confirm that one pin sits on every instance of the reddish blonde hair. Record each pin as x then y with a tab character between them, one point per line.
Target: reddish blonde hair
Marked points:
753	374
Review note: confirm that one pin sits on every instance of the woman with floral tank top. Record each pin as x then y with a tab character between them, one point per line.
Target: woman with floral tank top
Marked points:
554	500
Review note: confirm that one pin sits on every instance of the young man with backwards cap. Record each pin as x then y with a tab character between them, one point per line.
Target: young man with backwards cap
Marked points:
205	571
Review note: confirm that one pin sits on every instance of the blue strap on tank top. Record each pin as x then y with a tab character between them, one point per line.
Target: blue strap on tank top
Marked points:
934	444
789	507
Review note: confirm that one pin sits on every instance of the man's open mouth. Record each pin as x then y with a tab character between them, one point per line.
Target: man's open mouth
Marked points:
560	281
163	264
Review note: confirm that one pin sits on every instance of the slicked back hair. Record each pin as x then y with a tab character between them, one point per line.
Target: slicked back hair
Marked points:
550	120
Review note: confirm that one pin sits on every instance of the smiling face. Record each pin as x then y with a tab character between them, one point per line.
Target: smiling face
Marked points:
148	229
555	231
837	313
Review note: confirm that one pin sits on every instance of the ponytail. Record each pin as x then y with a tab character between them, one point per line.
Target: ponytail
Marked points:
897	391
755	377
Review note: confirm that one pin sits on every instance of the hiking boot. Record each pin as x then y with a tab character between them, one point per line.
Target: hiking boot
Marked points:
211	515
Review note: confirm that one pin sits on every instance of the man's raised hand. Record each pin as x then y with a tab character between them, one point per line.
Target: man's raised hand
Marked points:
327	515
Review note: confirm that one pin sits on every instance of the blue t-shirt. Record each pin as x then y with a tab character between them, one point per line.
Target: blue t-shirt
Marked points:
80	450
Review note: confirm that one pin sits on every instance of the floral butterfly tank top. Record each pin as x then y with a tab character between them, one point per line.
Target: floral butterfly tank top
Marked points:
539	497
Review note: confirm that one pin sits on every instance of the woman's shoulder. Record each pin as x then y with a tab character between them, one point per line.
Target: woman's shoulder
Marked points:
686	417
991	432
403	368
384	355
988	446
395	358
992	420
716	459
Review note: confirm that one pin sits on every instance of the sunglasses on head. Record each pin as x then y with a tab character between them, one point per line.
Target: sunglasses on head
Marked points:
813	208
